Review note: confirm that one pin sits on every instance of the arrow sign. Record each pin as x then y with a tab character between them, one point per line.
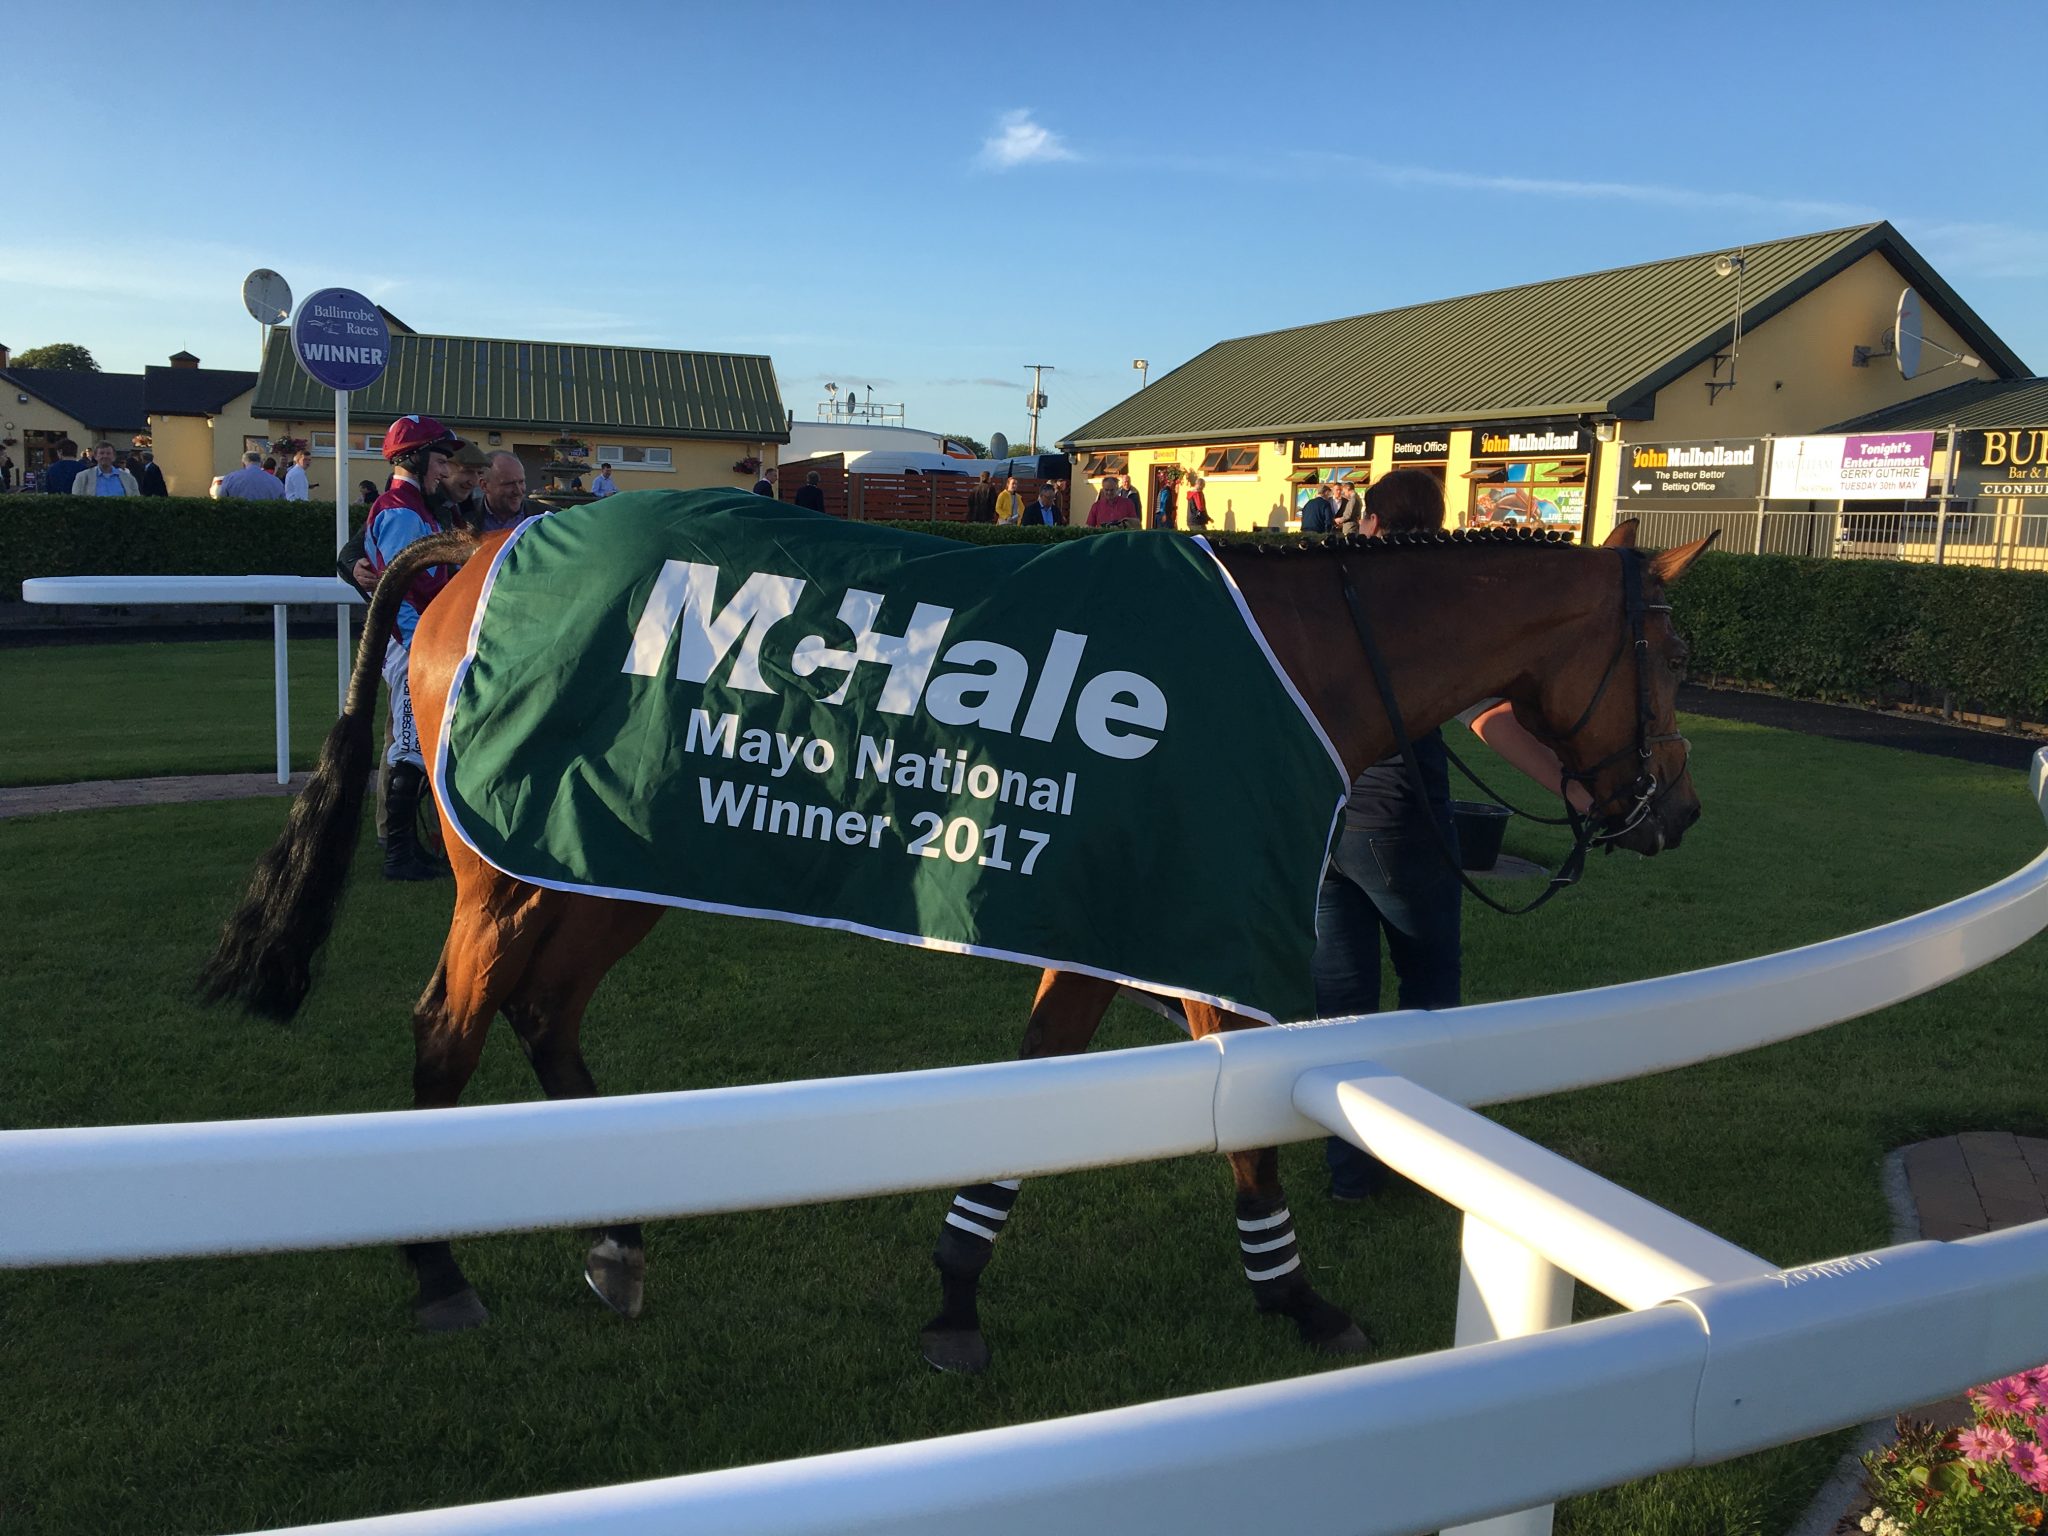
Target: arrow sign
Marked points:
1728	470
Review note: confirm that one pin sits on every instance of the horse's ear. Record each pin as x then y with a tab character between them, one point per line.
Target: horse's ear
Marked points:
1623	536
1667	565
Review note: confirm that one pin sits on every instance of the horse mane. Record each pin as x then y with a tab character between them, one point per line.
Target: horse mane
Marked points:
1492	536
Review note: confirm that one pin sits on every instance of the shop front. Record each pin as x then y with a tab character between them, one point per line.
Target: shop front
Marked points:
1320	463
1530	475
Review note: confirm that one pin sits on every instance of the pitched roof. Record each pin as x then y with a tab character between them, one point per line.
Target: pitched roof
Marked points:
192	391
104	402
1601	342
475	381
1972	403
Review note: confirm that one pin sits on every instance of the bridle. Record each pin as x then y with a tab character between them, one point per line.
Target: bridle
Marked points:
1643	794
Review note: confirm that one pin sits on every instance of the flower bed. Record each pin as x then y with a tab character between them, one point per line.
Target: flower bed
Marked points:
1989	1479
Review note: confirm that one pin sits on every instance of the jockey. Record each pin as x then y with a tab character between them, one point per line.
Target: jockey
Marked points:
418	448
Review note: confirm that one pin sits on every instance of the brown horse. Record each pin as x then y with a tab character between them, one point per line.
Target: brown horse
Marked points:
1578	640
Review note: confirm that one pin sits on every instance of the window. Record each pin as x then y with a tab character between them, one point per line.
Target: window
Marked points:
1231	461
361	445
657	459
259	444
1106	464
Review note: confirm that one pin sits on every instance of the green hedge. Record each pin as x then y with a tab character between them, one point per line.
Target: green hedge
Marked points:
1871	631
1865	631
157	536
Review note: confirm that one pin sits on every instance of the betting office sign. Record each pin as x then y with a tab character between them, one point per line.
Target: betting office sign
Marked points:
1730	470
340	338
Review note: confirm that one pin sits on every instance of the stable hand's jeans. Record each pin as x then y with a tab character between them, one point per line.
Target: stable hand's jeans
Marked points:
1385	882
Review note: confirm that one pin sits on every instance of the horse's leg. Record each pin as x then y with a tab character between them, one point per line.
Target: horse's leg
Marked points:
587	937
1064	1018
1265	1231
489	941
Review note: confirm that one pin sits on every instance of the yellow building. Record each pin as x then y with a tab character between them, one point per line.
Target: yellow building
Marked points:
1524	402
662	419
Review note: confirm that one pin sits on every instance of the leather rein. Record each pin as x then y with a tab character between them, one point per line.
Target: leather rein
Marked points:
1641	796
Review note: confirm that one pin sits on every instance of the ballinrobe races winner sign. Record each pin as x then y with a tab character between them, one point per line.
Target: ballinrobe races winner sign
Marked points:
1078	755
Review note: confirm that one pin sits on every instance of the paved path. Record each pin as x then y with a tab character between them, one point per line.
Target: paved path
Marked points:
1871	727
106	794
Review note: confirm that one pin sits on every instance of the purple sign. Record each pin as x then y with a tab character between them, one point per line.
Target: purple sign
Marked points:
1881	467
341	339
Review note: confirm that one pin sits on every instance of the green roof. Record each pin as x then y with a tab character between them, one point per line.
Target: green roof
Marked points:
476	382
1604	342
1972	403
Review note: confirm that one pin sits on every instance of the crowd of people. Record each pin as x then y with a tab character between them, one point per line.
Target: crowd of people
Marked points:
106	473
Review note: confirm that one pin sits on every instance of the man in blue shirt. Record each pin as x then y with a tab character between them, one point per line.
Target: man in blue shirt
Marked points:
603	485
252	482
1318	513
59	477
103	477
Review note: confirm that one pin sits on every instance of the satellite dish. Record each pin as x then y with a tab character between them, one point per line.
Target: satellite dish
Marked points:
999	447
1907	334
267	297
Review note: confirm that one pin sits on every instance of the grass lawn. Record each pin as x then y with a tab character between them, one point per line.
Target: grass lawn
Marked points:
245	1393
129	711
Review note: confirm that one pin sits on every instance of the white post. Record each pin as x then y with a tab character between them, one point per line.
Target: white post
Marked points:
284	693
1507	1291
341	501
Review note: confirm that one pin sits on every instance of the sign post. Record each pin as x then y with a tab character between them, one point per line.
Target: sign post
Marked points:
341	340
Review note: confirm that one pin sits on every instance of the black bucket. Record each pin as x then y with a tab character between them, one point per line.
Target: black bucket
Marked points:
1480	829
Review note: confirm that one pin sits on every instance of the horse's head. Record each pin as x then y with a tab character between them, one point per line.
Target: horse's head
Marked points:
1613	719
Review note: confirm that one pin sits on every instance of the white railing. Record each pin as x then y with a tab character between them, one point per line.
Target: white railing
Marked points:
1958	534
1721	1353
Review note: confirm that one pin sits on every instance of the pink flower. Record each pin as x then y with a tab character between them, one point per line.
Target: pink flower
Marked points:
2009	1394
2037	1378
1981	1442
2030	1463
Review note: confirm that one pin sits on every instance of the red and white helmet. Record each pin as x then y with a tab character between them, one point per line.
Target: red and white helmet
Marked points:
409	433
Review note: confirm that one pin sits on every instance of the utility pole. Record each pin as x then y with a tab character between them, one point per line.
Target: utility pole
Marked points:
1036	401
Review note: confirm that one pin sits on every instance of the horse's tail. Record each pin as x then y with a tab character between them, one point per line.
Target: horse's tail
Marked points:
265	956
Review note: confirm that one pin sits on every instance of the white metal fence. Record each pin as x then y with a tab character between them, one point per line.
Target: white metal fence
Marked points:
1719	1354
1959	534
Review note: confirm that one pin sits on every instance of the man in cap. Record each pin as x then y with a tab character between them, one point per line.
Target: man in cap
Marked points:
418	448
461	501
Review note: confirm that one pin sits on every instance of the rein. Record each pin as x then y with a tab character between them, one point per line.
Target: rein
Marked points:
1643	792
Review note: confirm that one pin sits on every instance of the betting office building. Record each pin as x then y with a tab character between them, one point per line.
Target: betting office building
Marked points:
1523	402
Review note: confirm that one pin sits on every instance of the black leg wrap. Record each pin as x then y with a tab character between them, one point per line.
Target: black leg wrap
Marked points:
1272	1259
976	1219
445	1304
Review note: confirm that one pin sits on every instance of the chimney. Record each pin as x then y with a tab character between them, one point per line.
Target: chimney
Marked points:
184	360
5	353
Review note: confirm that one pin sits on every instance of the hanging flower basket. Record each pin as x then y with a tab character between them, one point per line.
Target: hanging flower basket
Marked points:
747	466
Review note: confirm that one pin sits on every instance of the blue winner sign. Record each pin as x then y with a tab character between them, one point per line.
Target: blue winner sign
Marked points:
340	339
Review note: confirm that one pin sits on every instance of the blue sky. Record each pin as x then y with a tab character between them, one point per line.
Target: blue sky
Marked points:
925	197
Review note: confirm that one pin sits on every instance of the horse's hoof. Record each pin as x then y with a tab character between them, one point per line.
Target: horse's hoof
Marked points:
451	1314
1353	1340
619	1276
962	1352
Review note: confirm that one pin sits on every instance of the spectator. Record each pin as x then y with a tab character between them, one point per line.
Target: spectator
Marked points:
103	477
1162	506
810	494
464	502
604	485
366	493
1198	505
1009	505
270	465
765	487
1318	513
59	476
981	501
298	486
6	472
152	477
1111	509
503	493
252	482
1044	510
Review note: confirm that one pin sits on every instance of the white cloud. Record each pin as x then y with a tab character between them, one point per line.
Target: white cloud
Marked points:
1022	140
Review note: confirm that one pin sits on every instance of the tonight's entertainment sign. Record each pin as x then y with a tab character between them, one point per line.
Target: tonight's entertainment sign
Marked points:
1872	467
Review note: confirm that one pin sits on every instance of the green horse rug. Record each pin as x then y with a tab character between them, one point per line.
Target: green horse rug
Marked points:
1079	755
